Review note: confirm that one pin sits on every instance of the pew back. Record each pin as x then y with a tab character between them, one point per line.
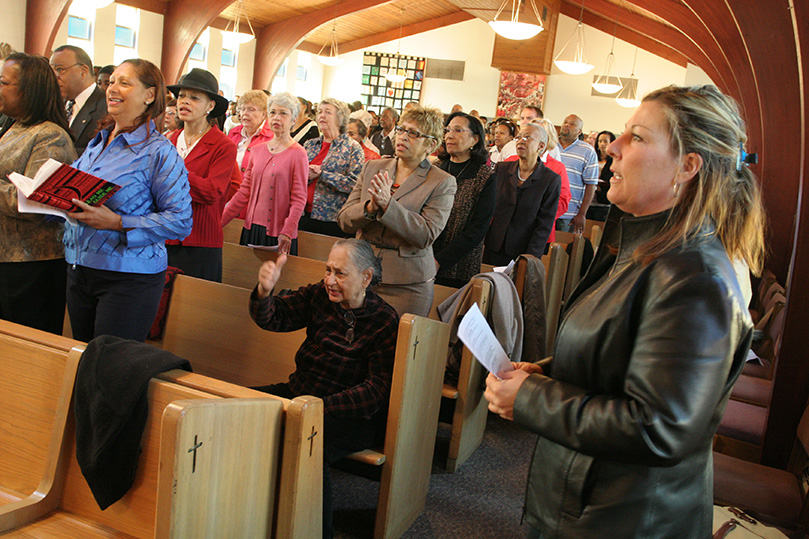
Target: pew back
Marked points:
208	323
37	371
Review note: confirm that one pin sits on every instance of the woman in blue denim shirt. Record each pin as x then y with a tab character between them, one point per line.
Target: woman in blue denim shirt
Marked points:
116	253
335	161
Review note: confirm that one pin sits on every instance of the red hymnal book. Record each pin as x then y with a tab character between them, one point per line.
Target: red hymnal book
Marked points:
57	184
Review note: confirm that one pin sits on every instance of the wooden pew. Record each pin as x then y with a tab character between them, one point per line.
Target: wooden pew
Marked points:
198	313
555	278
240	266
232	232
261	489
37	371
470	409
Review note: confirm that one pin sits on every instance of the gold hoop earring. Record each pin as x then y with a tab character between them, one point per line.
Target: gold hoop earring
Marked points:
676	189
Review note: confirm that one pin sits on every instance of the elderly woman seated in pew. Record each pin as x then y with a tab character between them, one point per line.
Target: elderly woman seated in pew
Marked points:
347	357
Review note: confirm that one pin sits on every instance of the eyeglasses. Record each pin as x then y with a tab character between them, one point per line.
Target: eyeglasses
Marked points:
411	133
350	319
59	70
526	138
457	130
251	110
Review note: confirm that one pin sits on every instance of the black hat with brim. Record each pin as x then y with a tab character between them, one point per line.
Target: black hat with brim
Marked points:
204	81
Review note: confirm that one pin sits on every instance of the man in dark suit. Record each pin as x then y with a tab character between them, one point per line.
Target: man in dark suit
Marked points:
85	102
383	139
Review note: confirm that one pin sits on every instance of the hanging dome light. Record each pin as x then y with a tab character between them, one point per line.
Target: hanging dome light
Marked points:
579	64
232	32
333	58
395	74
628	97
513	28
605	83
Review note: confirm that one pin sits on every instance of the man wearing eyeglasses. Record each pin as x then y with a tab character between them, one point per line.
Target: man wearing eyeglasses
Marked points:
85	102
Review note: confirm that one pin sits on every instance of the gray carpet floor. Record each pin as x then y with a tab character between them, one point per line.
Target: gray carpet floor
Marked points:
483	499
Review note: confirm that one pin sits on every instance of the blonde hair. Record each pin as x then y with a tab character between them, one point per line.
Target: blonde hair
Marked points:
429	119
550	129
254	97
704	121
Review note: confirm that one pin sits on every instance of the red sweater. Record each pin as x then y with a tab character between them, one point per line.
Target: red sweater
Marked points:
209	167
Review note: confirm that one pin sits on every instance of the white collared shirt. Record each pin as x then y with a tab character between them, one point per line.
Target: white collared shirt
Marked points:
80	100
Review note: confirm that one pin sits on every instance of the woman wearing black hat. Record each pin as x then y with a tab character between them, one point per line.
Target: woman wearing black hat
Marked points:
210	158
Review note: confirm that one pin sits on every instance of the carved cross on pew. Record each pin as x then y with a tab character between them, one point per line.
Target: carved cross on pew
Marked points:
193	449
311	439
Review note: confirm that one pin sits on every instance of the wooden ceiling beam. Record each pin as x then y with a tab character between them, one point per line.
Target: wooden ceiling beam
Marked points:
275	41
678	15
652	36
42	21
154	6
627	33
183	23
409	30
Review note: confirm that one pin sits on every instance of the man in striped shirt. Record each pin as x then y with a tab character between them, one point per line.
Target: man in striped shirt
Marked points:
581	162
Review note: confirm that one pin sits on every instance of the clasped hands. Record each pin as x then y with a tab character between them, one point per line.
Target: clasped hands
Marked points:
98	217
380	191
502	393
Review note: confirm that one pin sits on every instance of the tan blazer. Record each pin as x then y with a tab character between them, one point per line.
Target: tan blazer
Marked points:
403	236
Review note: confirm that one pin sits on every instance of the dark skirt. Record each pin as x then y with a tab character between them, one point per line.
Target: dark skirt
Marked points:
257	235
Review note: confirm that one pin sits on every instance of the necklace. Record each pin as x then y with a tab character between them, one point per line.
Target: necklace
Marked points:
279	145
451	163
191	139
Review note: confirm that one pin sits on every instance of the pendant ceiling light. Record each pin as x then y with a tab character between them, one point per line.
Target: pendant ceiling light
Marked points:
395	74
513	28
91	4
604	83
333	58
232	29
629	93
578	65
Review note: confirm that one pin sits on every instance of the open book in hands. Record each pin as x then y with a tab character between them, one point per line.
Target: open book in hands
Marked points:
54	187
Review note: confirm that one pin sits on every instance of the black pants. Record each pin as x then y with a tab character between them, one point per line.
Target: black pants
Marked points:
201	262
102	302
33	294
341	437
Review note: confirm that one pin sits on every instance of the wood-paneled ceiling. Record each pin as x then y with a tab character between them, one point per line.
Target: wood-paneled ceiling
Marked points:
635	23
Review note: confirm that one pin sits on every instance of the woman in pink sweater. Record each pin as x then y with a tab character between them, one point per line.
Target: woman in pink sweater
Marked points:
274	185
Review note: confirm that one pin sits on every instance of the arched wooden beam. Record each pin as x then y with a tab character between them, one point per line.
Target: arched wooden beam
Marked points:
275	41
42	21
777	43
792	377
683	19
183	22
654	37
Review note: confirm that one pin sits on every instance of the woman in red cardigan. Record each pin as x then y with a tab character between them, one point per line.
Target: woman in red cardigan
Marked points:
209	157
274	185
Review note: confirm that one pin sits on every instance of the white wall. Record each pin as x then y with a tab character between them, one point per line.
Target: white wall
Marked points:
470	41
12	24
570	94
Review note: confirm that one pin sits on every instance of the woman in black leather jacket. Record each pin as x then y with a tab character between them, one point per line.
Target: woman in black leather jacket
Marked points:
653	337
